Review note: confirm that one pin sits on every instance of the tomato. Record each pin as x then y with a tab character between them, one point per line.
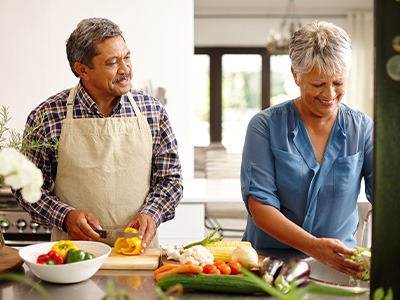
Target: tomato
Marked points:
235	266
224	269
207	268
215	271
217	263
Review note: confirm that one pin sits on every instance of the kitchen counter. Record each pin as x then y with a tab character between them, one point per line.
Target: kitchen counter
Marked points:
138	284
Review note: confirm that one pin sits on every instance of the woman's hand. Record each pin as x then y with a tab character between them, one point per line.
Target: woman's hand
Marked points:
334	253
330	252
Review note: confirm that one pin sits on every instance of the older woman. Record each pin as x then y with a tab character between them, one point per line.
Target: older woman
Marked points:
303	160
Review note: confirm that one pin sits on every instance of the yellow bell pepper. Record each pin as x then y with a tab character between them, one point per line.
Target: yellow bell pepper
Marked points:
63	246
128	246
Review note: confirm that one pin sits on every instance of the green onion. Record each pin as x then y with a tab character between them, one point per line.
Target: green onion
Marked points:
208	239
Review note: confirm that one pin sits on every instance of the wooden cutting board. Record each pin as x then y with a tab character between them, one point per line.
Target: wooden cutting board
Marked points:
149	260
9	259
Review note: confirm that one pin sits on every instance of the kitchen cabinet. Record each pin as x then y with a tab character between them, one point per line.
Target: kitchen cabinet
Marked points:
188	224
186	227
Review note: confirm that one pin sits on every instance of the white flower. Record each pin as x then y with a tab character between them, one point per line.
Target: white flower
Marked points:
20	173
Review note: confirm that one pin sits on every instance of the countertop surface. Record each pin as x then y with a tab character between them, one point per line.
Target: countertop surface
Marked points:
202	190
137	284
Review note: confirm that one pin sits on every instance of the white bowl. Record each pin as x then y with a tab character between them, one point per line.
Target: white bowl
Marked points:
65	273
323	275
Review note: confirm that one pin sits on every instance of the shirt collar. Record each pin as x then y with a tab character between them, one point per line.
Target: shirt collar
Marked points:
89	103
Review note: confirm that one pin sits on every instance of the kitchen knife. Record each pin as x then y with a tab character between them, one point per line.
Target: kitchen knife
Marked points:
116	233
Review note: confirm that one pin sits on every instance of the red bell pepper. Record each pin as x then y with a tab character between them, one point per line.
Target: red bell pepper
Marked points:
50	258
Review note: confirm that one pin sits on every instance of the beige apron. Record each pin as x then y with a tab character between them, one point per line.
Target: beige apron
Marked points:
104	166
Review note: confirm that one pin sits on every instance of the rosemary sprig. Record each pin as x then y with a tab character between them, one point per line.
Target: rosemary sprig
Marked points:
24	142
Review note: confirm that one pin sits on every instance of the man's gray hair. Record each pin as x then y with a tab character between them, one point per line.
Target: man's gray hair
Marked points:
81	45
321	44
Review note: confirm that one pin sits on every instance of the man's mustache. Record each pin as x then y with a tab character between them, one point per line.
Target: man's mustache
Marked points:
123	77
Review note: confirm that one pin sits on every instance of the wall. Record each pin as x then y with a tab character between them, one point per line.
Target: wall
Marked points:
34	65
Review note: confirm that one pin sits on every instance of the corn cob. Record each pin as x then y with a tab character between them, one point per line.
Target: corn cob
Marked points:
223	250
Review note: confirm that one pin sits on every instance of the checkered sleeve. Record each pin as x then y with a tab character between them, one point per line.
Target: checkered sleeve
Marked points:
166	182
43	129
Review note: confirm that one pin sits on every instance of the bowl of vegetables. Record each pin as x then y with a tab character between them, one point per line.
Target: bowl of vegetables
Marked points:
65	261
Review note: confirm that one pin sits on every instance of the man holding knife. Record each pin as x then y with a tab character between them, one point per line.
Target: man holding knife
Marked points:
117	163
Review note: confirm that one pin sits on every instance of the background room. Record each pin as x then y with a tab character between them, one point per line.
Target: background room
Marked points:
164	38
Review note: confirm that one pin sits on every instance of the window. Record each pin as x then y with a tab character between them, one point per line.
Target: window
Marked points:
201	96
241	97
282	86
214	63
230	85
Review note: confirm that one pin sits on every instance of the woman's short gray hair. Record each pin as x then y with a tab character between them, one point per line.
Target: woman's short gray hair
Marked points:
81	45
321	44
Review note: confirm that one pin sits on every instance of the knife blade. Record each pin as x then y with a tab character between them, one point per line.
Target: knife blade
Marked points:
116	233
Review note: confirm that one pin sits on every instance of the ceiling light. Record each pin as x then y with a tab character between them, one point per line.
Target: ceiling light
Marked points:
278	41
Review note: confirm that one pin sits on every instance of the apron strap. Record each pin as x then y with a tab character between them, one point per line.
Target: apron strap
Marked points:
72	95
135	108
70	102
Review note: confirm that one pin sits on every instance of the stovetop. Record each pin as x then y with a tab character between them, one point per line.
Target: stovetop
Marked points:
16	224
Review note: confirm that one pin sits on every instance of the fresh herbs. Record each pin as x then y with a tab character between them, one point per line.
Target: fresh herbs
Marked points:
23	142
208	239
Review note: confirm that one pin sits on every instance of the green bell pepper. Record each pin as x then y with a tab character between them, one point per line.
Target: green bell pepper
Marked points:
74	255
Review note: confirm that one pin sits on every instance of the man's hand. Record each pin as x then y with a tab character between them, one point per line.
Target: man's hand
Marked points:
146	226
80	225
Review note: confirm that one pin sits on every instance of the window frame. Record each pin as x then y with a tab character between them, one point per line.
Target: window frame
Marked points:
215	54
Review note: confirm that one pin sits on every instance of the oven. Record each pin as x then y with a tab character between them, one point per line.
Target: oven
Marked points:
15	223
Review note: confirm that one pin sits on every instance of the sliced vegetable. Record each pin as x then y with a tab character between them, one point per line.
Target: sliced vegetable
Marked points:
270	268
207	240
296	272
363	257
246	255
50	258
74	255
63	246
128	246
